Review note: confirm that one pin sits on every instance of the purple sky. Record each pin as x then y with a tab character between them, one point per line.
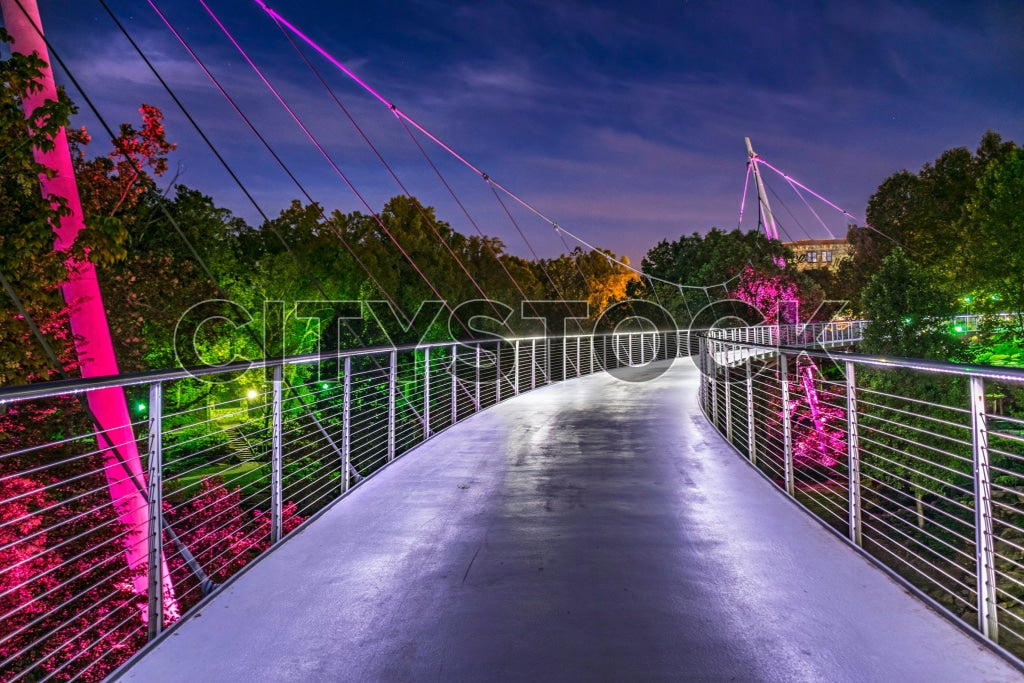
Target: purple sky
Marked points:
624	122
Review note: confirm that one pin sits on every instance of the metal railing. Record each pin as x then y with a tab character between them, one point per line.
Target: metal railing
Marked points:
918	463
236	458
795	334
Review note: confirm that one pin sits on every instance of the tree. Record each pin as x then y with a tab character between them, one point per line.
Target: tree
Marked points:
925	213
27	258
994	223
712	268
910	311
588	275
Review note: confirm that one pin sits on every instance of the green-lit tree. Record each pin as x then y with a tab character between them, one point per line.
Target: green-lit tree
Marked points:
994	229
912	446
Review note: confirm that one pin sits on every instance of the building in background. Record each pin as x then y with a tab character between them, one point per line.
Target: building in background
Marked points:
827	253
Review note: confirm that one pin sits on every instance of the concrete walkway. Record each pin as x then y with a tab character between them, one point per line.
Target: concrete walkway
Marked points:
597	530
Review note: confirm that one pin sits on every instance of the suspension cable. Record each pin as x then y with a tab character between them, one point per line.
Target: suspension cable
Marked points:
330	160
419	207
495	186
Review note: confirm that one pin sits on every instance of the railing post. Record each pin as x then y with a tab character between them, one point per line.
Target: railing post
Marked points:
515	376
346	425
787	426
565	356
751	433
455	382
392	386
853	455
155	547
533	363
426	393
713	374
497	372
547	361
579	357
276	458
988	615
728	406
476	379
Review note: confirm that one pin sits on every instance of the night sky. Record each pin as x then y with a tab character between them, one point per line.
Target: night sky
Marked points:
624	122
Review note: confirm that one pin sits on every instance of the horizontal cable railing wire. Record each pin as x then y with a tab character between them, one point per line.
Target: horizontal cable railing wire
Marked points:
235	458
239	456
919	463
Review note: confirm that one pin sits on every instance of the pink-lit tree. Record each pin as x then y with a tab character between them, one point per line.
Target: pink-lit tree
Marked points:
777	298
770	294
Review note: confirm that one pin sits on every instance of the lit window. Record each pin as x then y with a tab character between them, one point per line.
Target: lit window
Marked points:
826	256
812	257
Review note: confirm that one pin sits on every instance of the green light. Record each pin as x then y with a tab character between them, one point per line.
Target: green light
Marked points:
959	329
967	299
908	320
252	394
141	407
324	386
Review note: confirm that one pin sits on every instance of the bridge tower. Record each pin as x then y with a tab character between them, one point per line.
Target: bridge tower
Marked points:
122	465
762	196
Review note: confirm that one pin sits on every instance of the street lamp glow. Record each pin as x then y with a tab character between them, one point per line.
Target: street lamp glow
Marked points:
252	394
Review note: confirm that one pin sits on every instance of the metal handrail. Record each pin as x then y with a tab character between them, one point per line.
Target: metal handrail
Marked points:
64	580
918	469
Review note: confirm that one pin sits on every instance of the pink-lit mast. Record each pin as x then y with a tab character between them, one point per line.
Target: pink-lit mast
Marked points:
88	319
762	196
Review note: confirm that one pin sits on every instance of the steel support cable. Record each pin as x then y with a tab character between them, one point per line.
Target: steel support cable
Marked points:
743	201
465	211
809	207
838	208
390	170
224	162
201	262
281	21
195	568
329	159
267	222
536	258
796	221
276	158
569	255
590	246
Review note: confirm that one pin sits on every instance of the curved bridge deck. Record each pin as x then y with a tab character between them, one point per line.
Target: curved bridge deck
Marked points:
593	530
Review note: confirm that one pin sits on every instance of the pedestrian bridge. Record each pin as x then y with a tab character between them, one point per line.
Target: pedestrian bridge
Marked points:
596	529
